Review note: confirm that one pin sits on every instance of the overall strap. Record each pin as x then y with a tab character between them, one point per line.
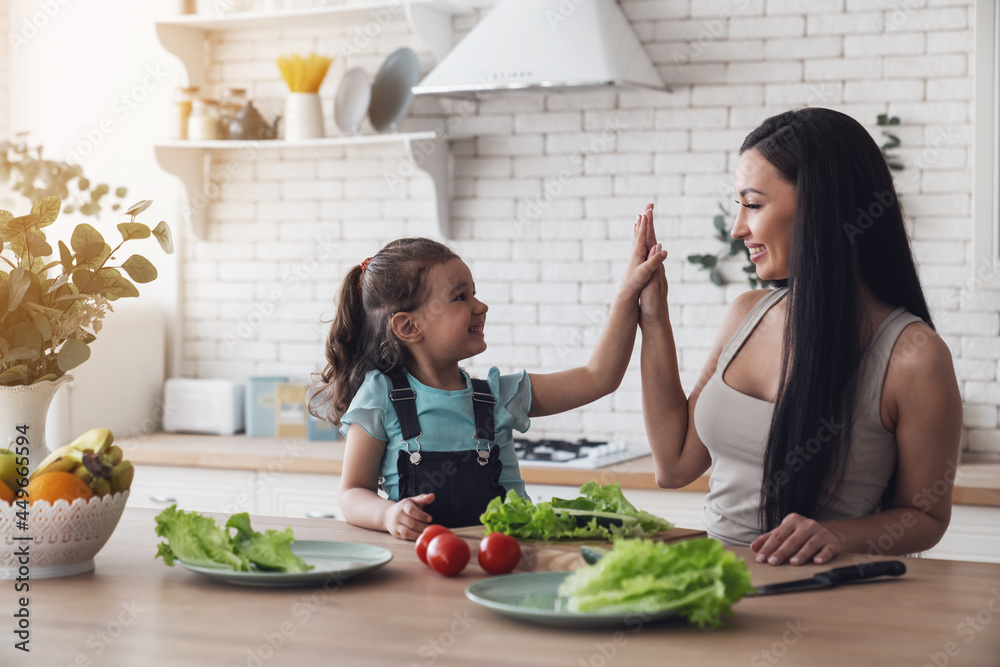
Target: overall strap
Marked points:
404	402
483	402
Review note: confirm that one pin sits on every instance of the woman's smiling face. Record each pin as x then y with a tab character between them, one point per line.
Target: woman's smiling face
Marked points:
766	214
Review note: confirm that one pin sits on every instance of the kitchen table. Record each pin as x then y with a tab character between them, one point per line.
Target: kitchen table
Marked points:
134	611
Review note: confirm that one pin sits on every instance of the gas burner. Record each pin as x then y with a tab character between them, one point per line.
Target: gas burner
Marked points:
581	453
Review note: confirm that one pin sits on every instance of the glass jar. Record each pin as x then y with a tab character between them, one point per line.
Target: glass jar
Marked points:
181	112
233	99
204	121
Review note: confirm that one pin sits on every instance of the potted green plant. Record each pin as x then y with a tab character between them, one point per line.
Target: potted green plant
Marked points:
52	302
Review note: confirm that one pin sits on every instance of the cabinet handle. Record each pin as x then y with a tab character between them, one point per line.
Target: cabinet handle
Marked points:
163	499
320	515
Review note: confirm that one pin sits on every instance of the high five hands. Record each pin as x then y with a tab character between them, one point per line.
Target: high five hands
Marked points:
646	257
653	294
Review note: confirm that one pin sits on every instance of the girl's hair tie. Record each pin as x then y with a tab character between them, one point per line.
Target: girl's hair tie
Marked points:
364	265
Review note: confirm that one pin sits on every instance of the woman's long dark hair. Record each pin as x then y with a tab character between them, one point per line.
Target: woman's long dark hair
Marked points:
361	337
848	229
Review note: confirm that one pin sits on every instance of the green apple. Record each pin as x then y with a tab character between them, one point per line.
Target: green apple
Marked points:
8	469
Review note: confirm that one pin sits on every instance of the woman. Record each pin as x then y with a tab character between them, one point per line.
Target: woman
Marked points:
827	407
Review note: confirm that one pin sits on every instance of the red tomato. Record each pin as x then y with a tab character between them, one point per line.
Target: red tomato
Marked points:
430	532
448	554
499	553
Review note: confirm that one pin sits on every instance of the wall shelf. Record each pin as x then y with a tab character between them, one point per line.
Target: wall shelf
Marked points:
190	162
184	37
430	20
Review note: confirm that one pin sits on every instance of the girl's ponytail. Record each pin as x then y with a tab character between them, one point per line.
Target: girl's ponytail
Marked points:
341	378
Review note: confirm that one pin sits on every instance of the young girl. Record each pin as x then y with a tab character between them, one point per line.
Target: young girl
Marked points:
439	443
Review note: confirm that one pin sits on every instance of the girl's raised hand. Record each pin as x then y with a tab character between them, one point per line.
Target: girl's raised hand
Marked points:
646	256
407	518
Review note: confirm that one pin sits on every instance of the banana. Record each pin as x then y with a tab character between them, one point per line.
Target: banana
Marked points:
114	455
67	457
63	459
92	458
121	477
96	440
101	487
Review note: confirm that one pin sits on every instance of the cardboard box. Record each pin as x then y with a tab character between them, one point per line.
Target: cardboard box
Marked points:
290	410
260	405
321	430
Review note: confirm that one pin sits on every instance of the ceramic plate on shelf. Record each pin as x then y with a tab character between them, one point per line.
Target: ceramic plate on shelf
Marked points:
533	597
351	104
392	91
330	560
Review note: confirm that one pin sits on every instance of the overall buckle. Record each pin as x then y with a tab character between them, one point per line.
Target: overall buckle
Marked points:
406	394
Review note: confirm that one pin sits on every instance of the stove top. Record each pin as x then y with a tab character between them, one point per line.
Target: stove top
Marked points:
582	453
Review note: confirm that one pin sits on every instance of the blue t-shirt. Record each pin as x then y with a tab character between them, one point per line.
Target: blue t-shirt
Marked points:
447	421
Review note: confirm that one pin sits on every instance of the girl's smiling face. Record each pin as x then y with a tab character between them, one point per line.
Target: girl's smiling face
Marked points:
766	214
451	318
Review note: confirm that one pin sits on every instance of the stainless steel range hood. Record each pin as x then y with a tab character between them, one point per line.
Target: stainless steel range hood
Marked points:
546	46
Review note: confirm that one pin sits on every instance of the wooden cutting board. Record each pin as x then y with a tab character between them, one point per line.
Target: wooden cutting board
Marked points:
553	556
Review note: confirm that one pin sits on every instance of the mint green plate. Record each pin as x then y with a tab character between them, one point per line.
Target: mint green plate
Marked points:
533	596
333	561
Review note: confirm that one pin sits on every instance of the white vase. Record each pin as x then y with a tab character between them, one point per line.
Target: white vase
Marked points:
303	117
23	411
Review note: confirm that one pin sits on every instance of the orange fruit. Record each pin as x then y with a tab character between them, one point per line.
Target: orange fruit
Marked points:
53	486
6	494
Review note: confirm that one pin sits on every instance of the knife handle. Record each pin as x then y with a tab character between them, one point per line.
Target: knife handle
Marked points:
845	575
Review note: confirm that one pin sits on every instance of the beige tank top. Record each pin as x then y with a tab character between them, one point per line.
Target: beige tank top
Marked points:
734	428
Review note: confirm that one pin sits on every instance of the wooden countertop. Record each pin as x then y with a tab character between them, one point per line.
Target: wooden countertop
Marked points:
975	483
133	610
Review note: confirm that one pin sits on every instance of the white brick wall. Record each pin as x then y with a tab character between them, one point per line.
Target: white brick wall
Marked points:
543	197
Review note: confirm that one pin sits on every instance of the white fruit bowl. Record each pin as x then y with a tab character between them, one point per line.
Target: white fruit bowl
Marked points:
64	537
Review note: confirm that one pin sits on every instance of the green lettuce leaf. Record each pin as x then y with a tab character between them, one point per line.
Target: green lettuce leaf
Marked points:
196	540
519	517
271	550
698	578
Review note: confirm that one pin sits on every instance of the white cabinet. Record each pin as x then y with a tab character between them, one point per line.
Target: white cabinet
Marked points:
233	491
228	491
300	496
185	37
974	534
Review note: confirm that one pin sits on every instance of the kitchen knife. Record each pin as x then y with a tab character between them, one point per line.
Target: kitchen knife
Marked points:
836	577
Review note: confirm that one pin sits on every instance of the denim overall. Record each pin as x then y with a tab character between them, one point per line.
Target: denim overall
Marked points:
463	481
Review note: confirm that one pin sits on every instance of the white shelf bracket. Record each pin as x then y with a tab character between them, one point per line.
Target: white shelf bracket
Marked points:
431	157
192	167
187	44
433	27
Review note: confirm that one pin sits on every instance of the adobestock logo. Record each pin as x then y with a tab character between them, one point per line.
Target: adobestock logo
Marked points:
881	202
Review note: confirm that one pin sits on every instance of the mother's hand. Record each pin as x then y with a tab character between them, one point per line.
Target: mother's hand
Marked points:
647	217
644	261
653	297
797	540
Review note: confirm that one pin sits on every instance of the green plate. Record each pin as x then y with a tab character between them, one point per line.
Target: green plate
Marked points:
335	561
533	597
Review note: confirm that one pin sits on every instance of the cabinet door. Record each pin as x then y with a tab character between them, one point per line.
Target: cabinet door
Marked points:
197	489
973	534
299	495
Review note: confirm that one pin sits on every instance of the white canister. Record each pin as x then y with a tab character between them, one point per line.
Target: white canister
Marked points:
203	123
303	117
